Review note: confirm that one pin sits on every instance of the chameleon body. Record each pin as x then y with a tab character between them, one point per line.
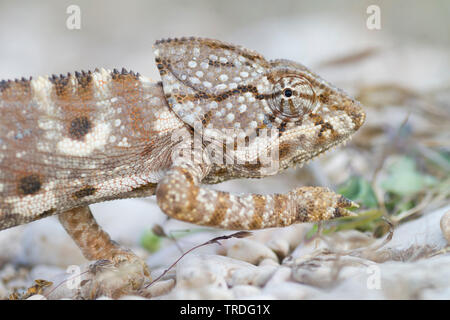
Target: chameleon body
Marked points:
72	140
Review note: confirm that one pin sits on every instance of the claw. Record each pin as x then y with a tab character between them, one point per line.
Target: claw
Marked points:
342	212
343	202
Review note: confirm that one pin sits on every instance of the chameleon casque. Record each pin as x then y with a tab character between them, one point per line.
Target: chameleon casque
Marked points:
72	140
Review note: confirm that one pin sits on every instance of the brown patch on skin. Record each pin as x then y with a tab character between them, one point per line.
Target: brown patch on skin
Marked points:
87	234
61	84
187	175
325	126
16	90
220	210
324	97
220	64
85	85
30	184
302	214
125	83
79	127
4	85
281	201
357	118
284	150
207	118
84	192
259	202
47	213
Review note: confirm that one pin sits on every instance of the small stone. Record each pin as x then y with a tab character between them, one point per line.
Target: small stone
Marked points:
282	274
445	225
159	288
206	270
250	251
251	276
268	262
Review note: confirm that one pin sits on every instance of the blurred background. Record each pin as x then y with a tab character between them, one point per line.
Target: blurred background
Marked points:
397	166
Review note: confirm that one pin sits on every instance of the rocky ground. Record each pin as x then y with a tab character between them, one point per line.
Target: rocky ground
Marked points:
397	167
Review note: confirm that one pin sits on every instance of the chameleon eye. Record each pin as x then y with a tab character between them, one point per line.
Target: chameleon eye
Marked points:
287	92
293	97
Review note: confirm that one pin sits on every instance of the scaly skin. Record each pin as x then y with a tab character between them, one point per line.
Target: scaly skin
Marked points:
220	112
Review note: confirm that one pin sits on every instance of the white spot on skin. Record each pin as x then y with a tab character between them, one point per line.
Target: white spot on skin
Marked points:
244	74
196	51
229	105
101	82
199	74
91	141
223	60
253	124
213	105
232	85
230	117
221	86
124	142
192	64
223	77
204	65
41	89
207	84
194	80
212	57
117	122
242	108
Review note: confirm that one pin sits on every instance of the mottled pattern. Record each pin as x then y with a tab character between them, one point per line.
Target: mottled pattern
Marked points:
71	140
75	139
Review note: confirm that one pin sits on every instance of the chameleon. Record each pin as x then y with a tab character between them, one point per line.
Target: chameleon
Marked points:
220	112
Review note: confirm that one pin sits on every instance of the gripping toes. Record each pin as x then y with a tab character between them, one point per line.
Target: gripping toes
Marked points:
317	203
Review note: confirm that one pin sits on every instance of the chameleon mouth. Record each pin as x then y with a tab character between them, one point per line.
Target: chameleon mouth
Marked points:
304	157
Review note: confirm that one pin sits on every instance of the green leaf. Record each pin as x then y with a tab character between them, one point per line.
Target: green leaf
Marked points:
359	190
150	241
312	231
404	178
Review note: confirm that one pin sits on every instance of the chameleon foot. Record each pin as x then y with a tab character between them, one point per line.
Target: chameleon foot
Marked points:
124	274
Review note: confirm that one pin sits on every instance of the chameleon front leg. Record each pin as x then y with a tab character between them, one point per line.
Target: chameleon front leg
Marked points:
180	196
96	244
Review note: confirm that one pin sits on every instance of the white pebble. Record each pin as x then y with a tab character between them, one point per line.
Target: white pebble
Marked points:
250	251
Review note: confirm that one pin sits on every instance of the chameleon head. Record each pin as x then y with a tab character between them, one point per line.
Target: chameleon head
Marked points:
316	116
226	87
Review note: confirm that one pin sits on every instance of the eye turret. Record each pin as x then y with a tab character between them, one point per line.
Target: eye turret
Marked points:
293	97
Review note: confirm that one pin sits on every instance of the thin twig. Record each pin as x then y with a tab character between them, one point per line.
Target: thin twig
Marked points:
240	234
